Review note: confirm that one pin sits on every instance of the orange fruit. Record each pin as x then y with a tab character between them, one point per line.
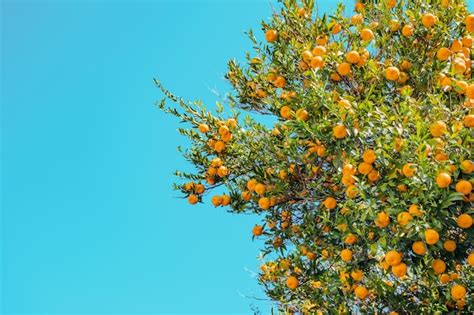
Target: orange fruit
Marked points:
419	248
344	68
307	55
285	112
346	255
260	189
394	25
280	82
222	171
382	219
443	180
414	210
199	188
470	91
361	292
469	23
438	266
393	258
391	3
336	28
407	30
458	292
352	191
357	275
467	166
443	54
353	57
449	245
257	230
404	218
251	184
364	168
469	121
399	270
216	200
366	34
470	259
271	36
264	203
330	203
464	187
464	221
431	237
292	282
203	128
438	128
246	195
350	239
225	200
444	278
392	73
374	175
319	51
339	131
428	20
409	169
369	156
193	199
219	146
317	62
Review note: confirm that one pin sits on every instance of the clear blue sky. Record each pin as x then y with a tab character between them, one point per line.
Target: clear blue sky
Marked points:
90	223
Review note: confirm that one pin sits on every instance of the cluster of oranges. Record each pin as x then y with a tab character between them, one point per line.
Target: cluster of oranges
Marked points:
365	179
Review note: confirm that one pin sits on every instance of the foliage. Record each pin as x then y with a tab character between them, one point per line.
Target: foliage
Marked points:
365	177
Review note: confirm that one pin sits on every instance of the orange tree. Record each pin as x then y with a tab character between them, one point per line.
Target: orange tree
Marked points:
363	180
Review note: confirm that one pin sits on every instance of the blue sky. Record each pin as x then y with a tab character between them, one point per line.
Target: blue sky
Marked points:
90	223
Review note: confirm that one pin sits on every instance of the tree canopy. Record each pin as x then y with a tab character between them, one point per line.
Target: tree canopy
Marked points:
357	155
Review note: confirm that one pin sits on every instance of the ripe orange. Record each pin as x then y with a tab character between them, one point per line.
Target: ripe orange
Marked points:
251	184
399	270
352	191
443	54
257	230
285	112
470	91
393	258
394	25
330	203
469	23
307	55
374	175
443	180
458	292
336	28
260	189
339	131
470	259
438	128
464	221
366	34
369	156
319	51
222	171
428	20
409	169
464	187
449	245
292	282
225	200
469	121
203	128
414	210
467	166
444	278
407	30
193	199
382	219
344	68
280	82
357	275
431	237
404	218
317	62
219	146
391	3
199	188
350	239
246	195
419	248
353	57
361	292
364	168
216	200
271	36
438	266
392	73
264	203
346	255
